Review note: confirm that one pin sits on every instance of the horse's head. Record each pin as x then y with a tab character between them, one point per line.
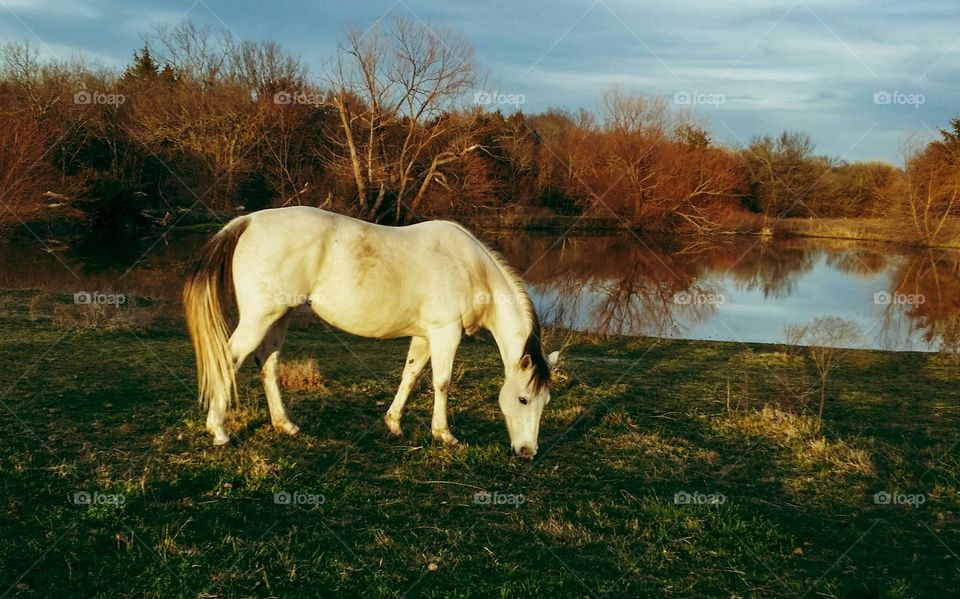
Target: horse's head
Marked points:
524	394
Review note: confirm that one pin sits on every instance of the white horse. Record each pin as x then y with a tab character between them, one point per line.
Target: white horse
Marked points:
430	281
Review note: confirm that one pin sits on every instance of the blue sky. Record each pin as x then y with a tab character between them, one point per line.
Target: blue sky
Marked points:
860	77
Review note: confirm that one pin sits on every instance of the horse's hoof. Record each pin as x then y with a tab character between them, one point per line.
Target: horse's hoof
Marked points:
446	438
395	435
219	433
288	428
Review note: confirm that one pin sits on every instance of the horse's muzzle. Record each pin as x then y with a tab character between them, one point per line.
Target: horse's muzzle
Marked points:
525	451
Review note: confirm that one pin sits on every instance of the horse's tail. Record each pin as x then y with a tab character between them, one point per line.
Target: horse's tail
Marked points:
209	280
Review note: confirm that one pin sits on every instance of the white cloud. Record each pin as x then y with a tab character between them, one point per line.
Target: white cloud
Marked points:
32	8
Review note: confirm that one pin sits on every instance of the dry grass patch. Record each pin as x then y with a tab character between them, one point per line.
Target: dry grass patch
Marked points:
651	456
677	452
768	359
127	317
569	414
299	374
564	531
801	435
771	423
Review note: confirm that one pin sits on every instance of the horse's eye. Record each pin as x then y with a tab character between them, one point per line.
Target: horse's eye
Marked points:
524	400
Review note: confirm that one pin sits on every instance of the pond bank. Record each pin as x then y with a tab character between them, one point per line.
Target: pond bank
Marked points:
853	229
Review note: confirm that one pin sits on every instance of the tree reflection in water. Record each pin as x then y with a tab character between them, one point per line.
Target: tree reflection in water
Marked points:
934	276
622	285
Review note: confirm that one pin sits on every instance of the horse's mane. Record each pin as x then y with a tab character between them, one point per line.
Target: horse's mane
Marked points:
532	346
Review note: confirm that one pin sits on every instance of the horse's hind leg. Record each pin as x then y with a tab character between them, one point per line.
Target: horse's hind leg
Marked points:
268	355
244	340
215	415
417	358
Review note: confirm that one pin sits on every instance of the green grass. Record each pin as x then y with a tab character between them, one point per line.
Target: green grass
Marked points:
632	423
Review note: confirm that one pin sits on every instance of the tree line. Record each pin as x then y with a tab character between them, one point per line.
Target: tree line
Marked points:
198	123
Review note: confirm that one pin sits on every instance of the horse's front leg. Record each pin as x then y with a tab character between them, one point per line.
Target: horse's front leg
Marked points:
416	359
443	348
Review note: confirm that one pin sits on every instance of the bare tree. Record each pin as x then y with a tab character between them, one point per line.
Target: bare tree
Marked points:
653	165
783	173
392	89
264	68
207	114
193	51
23	171
20	64
827	339
288	108
636	126
932	176
39	98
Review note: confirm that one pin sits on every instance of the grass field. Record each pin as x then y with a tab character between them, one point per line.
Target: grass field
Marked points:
666	468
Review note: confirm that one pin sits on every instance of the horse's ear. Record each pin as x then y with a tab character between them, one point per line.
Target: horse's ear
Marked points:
525	362
552	359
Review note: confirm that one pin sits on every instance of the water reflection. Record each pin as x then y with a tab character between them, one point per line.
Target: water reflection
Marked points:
744	289
149	267
736	288
934	277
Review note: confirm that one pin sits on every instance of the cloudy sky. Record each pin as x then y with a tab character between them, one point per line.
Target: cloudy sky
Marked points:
861	77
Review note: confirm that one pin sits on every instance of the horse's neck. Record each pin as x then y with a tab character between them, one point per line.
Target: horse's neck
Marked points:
510	326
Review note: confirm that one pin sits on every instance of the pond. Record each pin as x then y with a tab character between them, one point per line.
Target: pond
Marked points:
744	289
731	288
